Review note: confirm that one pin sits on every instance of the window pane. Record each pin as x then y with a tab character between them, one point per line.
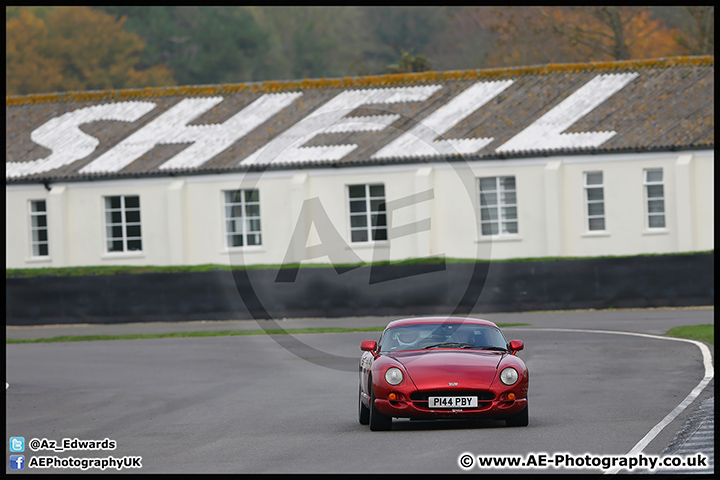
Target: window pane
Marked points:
115	246
596	209
358	221
253	225
134	245
654	175
132	216
490	228
656	206
655	191
509	213
40	250
595	194
379	220
132	202
595	178
115	232
235	241
380	234
377	205
233	226
507	183
488	214
39	235
377	190
112	202
39	221
597	224
254	239
657	221
510	227
488	184
488	199
357	191
252	196
252	210
357	206
37	206
113	217
508	198
359	236
133	230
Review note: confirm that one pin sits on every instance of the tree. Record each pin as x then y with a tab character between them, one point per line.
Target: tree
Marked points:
521	36
533	35
612	33
74	48
316	42
203	45
399	29
39	12
460	44
700	40
410	63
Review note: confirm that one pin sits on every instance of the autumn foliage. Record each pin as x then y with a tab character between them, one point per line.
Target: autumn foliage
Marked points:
74	48
536	35
64	49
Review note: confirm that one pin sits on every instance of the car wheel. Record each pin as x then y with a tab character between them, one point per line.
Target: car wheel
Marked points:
363	411
519	419
378	421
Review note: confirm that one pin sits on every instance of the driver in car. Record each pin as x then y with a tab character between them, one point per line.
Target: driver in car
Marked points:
407	339
464	336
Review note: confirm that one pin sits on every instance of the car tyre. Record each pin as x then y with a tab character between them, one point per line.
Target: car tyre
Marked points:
378	421
363	411
520	419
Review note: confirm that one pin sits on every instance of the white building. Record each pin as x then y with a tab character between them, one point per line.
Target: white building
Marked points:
554	161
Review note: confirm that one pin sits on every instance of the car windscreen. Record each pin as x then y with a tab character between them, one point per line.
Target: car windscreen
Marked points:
442	335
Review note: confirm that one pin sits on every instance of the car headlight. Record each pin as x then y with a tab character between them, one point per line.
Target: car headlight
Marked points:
509	376
393	376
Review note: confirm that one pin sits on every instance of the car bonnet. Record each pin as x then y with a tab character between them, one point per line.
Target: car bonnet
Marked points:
470	369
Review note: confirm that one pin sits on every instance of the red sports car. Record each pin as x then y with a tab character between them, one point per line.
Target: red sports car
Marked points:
426	368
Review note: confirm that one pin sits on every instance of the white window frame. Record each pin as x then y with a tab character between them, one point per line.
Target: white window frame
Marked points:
647	184
594	216
37	217
242	224
124	224
374	214
496	205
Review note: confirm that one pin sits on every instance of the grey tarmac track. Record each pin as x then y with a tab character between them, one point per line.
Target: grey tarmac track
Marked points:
244	404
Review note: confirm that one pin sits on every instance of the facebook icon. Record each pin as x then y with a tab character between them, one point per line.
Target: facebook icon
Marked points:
17	462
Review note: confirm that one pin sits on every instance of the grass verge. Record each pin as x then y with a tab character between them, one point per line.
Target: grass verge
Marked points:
222	333
134	270
706	333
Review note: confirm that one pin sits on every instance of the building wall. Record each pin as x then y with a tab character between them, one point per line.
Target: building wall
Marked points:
703	201
435	210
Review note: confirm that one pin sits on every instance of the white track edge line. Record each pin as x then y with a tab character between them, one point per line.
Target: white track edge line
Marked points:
709	373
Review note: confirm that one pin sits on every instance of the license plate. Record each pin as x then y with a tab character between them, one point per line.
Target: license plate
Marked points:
452	402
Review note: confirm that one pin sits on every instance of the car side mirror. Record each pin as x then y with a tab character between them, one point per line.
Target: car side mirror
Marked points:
515	346
368	346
